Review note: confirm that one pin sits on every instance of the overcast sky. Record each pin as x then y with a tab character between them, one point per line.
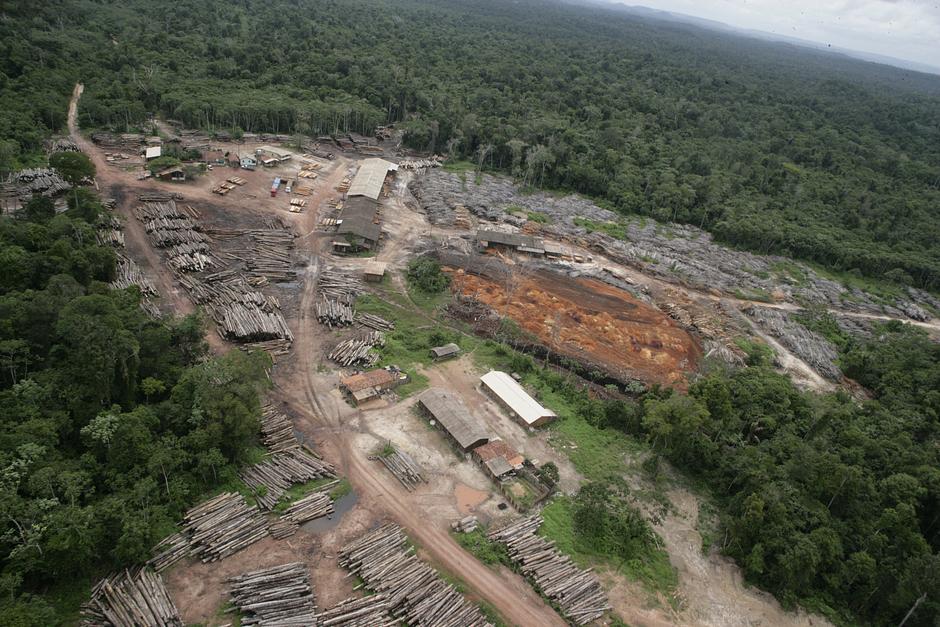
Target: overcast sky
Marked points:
905	29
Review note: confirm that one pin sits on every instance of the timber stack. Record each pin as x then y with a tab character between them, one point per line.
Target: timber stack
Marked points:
129	273
338	286
577	593
309	507
416	594
170	227
404	467
222	526
282	528
334	313
277	430
241	313
128	599
170	550
43	181
373	322
275	596
358	350
370	611
109	232
271	478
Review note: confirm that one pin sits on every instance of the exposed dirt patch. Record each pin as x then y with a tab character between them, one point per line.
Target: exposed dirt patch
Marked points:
588	320
468	498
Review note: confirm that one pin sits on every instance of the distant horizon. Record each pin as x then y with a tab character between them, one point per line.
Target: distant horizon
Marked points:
898	35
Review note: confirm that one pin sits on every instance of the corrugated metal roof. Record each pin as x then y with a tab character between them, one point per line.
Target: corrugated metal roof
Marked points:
517	240
518	400
445	350
370	177
358	218
454	417
153	152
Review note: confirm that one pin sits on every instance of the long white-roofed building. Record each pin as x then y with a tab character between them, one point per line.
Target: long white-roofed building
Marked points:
508	393
370	178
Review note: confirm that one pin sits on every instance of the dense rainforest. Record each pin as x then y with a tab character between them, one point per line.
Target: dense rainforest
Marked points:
769	146
111	423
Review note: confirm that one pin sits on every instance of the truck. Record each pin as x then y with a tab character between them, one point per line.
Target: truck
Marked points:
275	185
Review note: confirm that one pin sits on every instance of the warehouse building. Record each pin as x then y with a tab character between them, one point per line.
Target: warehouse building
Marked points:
360	223
507	392
511	241
454	418
370	178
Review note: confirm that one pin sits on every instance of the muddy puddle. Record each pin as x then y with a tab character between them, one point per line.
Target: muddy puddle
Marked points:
340	506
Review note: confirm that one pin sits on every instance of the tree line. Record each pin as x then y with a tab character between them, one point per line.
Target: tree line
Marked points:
112	423
770	147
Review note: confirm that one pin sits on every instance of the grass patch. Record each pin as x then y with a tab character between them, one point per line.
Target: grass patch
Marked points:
617	230
459	166
538	217
756	294
342	489
297	492
651	568
477	544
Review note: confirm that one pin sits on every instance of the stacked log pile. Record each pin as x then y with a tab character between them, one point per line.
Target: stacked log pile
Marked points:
416	593
275	596
240	312
62	144
332	313
338	286
358	350
312	506
418	164
271	254
174	229
281	470
405	469
375	323
129	273
170	550
370	611
274	348
109	232
222	526
577	593
129	599
43	181
282	528
277	430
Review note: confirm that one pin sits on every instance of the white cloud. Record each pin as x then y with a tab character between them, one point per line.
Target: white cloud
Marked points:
905	29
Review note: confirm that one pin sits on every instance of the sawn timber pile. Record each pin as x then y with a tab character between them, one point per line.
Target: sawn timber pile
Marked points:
576	592
416	593
129	599
279	596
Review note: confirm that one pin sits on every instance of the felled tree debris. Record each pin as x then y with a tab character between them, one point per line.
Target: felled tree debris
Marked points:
131	598
416	593
577	593
808	345
279	596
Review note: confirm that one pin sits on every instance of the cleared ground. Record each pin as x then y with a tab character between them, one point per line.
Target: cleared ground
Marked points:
592	322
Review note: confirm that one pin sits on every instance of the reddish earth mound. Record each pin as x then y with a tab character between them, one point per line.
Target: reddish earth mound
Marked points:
592	322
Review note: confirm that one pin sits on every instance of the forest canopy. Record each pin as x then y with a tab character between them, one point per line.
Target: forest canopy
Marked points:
769	146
